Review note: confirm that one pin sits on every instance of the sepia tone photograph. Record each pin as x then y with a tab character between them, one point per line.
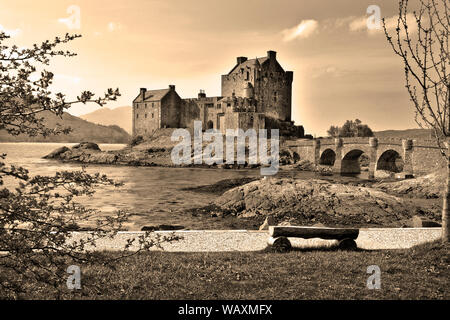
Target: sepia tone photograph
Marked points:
224	155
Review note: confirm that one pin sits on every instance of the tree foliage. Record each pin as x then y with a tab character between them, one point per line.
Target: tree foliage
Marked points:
39	213
422	45
351	129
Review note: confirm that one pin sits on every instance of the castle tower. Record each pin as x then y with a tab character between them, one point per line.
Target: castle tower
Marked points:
271	85
256	68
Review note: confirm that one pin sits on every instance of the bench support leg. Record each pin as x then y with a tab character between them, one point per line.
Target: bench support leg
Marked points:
281	244
347	244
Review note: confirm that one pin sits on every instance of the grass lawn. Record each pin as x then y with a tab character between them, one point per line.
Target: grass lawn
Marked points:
418	273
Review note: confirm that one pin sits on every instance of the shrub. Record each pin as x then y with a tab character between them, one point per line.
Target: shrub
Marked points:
136	140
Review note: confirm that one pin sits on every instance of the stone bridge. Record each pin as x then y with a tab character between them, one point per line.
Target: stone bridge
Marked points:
345	155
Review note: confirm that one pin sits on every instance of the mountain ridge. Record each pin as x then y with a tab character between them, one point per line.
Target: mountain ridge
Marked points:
418	133
82	131
120	116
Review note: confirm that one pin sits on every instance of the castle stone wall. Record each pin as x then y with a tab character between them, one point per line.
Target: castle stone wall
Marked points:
146	117
274	92
170	110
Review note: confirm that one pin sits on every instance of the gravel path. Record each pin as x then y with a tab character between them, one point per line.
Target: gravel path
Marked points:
243	240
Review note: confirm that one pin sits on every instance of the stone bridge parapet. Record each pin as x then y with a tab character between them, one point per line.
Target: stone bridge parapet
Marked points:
406	156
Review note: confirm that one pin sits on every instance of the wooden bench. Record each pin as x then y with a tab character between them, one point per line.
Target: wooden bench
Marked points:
279	236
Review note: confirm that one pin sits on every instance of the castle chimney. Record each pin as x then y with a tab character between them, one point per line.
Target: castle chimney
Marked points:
201	94
271	55
289	75
241	59
172	87
143	90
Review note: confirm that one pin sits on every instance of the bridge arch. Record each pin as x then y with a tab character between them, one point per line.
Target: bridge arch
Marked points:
328	157
351	162
390	160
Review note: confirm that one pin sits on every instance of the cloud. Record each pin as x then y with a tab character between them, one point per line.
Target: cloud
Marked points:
11	33
328	71
334	23
358	24
113	26
303	30
367	23
391	23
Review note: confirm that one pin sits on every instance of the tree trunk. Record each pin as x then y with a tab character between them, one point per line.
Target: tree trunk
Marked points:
445	208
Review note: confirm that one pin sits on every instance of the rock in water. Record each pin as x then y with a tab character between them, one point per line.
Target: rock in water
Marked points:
108	158
87	145
384	174
56	153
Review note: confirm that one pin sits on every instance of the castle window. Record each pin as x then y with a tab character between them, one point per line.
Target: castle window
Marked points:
228	104
218	106
153	115
153	104
275	96
145	116
137	116
247	76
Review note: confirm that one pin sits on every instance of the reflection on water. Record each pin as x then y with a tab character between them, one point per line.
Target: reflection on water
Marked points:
151	194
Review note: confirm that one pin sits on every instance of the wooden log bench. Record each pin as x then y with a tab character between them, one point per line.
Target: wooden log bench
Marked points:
279	236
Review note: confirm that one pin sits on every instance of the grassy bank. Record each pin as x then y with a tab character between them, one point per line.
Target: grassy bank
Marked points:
418	273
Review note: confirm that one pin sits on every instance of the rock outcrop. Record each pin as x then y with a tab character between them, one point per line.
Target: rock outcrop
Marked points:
312	201
86	152
428	186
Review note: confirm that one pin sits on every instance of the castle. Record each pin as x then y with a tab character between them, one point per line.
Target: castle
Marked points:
256	93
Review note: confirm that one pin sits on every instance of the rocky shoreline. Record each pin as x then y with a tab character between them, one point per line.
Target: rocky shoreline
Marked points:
311	202
323	199
90	153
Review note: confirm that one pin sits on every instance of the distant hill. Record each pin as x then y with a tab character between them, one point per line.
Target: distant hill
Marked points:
421	134
82	130
121	116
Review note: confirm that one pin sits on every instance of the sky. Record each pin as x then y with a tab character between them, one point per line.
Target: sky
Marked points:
343	66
